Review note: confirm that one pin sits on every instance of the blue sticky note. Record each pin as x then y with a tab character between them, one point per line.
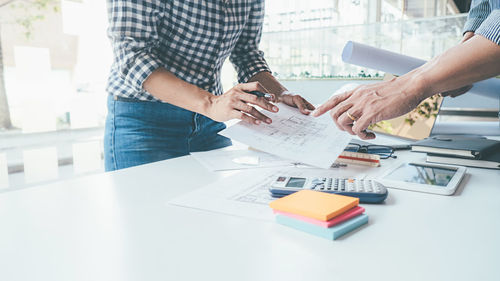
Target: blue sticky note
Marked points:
331	233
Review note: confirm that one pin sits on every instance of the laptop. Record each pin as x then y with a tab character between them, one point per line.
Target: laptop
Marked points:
416	124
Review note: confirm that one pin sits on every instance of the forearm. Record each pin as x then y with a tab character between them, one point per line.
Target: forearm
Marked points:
269	82
474	60
165	86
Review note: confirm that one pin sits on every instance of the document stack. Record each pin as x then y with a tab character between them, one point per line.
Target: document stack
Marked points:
322	214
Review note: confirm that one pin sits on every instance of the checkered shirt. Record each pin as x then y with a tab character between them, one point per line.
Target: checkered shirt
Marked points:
189	38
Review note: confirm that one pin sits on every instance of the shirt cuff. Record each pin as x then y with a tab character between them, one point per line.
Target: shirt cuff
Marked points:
472	25
143	65
249	65
490	28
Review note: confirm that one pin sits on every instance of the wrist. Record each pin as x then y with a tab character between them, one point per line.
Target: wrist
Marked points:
206	103
285	92
417	84
279	97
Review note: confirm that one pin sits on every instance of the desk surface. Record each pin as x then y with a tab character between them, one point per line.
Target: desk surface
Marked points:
118	226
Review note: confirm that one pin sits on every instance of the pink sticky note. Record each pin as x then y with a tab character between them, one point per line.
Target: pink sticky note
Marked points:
336	220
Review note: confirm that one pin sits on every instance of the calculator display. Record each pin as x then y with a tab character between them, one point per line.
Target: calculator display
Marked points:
296	182
422	174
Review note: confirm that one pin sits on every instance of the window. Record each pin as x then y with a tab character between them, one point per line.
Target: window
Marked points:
55	59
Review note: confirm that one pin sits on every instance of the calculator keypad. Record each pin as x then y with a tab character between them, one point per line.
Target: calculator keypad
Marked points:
347	185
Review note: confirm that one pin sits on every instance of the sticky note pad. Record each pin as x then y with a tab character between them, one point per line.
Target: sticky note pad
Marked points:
336	220
331	233
314	204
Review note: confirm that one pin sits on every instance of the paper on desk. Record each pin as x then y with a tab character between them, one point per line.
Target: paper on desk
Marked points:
246	193
223	159
311	140
398	64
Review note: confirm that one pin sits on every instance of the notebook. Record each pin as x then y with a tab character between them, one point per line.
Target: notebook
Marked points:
473	147
314	204
490	161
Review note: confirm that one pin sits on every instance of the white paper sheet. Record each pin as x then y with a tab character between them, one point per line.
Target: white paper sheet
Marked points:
394	63
223	159
294	136
246	193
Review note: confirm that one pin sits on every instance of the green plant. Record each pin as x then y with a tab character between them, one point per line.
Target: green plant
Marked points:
32	11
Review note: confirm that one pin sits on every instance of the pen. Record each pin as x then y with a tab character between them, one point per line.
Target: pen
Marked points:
400	147
261	94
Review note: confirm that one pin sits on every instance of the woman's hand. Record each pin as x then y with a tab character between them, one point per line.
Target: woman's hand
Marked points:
297	101
355	110
237	104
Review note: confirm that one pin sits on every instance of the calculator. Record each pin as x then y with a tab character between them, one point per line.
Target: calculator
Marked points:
368	191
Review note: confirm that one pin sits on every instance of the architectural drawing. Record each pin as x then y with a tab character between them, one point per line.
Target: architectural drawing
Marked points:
294	136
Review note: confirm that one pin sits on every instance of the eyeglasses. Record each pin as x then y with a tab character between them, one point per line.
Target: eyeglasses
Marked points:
383	151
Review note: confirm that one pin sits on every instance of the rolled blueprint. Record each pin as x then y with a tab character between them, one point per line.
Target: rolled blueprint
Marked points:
394	63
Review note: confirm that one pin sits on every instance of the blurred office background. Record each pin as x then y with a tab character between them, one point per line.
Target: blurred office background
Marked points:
55	57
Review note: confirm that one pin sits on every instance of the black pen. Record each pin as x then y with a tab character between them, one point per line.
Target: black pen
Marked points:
261	94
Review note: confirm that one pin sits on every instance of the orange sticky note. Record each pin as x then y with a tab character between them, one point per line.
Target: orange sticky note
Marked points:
315	204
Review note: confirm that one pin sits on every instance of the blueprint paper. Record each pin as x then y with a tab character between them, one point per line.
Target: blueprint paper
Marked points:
224	160
394	63
315	141
246	192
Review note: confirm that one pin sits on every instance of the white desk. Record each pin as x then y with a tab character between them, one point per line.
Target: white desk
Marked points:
117	226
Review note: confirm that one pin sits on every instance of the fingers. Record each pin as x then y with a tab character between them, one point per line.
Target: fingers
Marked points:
246	118
309	105
261	102
331	103
301	104
253	112
252	86
345	123
360	127
457	92
297	101
339	110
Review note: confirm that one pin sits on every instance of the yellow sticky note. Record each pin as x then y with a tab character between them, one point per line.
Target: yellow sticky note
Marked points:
314	204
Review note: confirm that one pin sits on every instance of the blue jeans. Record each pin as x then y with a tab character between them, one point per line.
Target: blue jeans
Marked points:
140	132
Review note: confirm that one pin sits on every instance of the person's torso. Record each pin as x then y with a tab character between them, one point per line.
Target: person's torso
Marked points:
195	38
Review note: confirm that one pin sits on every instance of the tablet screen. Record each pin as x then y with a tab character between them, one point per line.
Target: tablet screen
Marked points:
422	174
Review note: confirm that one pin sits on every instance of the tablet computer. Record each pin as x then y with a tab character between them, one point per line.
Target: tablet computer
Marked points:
424	177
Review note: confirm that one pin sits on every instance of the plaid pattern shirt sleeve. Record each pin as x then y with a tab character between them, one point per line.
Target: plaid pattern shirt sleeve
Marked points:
189	38
135	39
246	57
